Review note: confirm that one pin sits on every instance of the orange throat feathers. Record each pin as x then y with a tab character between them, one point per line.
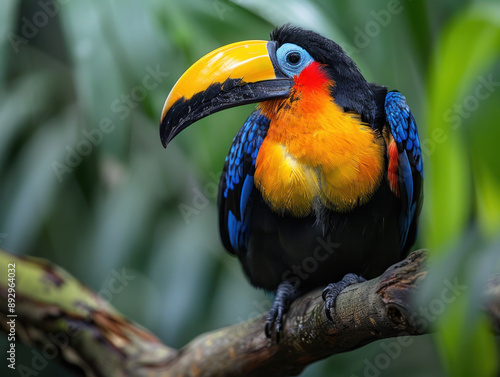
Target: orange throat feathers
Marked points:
315	153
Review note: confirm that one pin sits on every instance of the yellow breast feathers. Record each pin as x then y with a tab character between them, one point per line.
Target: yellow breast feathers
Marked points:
315	151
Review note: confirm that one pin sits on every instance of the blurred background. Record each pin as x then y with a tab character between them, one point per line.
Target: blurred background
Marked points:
85	182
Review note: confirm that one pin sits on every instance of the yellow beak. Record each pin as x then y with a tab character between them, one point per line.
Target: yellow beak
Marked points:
233	75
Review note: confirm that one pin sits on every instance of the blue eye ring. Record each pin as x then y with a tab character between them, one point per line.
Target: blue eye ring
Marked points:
292	59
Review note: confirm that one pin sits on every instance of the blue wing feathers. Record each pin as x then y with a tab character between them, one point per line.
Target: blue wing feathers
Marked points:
237	184
246	191
233	228
404	131
403	127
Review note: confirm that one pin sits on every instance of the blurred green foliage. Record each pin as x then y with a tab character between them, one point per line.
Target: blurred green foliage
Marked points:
85	182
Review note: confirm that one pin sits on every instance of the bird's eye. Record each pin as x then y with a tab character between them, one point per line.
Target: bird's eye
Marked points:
292	59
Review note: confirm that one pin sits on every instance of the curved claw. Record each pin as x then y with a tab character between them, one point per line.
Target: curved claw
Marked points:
275	315
268	330
329	299
332	290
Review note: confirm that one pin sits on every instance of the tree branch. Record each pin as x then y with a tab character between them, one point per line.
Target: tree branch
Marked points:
66	319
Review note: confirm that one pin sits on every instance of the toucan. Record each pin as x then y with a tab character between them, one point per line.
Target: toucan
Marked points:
323	184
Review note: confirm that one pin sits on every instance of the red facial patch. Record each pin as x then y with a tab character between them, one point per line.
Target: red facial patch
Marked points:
312	78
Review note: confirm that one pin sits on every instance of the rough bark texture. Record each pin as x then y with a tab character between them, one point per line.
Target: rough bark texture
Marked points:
54	310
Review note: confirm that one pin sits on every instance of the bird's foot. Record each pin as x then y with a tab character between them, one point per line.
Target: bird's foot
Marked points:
284	293
332	290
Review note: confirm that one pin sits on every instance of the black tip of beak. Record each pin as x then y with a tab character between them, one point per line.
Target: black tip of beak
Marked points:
164	139
178	117
164	134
